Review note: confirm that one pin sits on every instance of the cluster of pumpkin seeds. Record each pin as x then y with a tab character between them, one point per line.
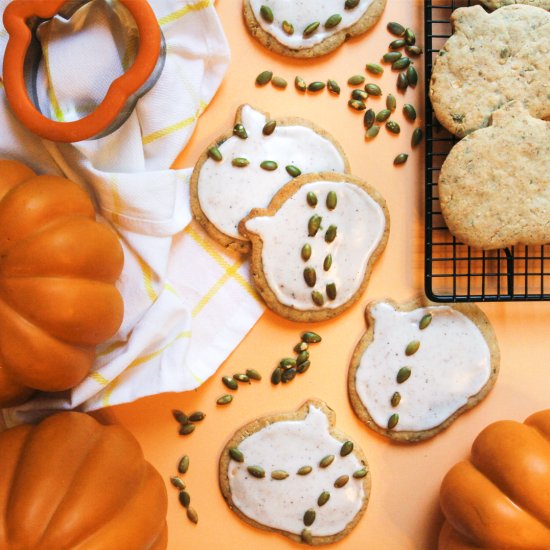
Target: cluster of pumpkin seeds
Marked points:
183	495
404	373
232	383
289	367
187	422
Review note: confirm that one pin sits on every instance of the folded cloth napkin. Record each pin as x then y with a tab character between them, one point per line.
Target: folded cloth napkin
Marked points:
187	304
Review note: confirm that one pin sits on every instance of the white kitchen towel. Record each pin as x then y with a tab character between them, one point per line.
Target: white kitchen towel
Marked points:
187	303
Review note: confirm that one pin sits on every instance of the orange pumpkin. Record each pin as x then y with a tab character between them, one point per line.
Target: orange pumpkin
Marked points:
500	498
58	267
72	483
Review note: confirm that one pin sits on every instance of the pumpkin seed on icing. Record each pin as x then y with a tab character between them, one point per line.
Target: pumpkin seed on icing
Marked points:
323	498
403	375
236	455
215	154
309	517
288	28
311	198
313	225
279	475
267	14
326	461
412	347
341	481
240	131
350	4
327	262
269	127
331	291
330	234
395	399
240	162
332	200
359	474
256	471
293	171
311	28
392	421
269	165
304	470
307	537
333	21
425	321
310	277
346	448
306	252
317	298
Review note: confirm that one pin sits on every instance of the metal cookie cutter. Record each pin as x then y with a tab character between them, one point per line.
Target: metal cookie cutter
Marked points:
23	54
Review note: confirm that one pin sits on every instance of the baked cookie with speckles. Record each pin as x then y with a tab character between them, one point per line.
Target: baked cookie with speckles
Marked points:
314	247
494	186
495	4
420	365
491	59
309	28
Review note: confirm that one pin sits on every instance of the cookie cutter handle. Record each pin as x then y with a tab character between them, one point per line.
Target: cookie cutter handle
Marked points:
123	92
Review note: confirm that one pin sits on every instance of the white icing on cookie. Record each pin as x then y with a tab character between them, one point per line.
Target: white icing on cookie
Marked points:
227	193
360	223
452	364
288	445
301	13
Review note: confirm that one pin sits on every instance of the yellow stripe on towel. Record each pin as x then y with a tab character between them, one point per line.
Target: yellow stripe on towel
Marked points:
174	16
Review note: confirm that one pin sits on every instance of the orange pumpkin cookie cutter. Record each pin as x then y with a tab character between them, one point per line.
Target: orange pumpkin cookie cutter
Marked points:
23	53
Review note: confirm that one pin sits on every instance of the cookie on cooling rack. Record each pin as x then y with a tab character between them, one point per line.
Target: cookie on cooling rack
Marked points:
495	4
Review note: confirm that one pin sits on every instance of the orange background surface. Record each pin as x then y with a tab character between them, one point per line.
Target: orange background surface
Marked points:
403	511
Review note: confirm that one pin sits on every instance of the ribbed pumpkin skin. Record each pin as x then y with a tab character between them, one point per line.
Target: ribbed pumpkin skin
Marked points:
58	269
71	483
500	498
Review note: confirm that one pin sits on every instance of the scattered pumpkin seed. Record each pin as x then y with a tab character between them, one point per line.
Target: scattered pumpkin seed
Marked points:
287	362
253	374
369	118
311	198
269	165
310	277
276	376
402	82
396	28
323	498
279	82
236	455
341	481
316	86
269	127
183	464
304	470
301	346
356	79
326	461
313	225
180	416
395	399
186	429
392	421
373	89
410	37
288	375
333	86
311	28
184	498
177	482
401	158
360	474
327	262
215	154
197	416
391	102
412	76
403	375
372	132
303	356
300	84
383	115
357	105
412	347
333	21
311	337
240	131
413	50
224	399
307	537
409	112
293	171
330	234
317	298
346	448
401	63
192	515
332	200
256	471
426	319
279	475
331	291
393	127
391	57
264	77
359	95
306	252
374	68
302	367
350	4
396	44
309	517
266	13
243	378
288	28
230	383
240	162
416	138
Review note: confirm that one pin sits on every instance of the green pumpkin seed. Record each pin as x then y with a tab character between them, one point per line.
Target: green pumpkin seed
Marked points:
276	376
317	298
311	198
356	79
359	95
243	378
396	44
395	399
330	234
391	102
392	421
332	200
310	277
410	37
197	416
333	86
409	112
279	475
269	127
311	28
269	165
391	57
373	89
186	429
396	29
400	159
327	262
316	86
357	105
288	375
180	416
374	68
239	131
300	84
301	346
350	4
309	517
412	347
313	225
236	455
346	448
266	13
306	252
192	515
311	337
401	63
426	319
183	464
287	362
240	162
288	28
402	82
224	399
215	154
184	498
393	127
403	375
371	133
341	481
331	291
303	356
333	21
230	383
177	482
279	82
264	77
360	474
413	50
253	374
304	470
293	171
323	498
383	115
412	76
326	461
369	118
302	367
416	138
256	471
307	537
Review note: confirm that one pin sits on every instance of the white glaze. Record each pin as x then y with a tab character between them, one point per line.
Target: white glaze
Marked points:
360	221
301	13
289	445
452	364
227	194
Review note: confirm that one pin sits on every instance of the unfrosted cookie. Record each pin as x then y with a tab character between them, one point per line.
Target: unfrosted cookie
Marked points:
492	59
494	186
310	28
246	167
420	365
296	474
313	248
494	4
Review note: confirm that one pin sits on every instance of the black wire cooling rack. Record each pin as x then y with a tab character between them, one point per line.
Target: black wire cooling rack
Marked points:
455	272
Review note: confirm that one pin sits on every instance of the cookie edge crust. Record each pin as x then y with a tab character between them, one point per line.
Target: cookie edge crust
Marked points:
243	246
256	262
367	21
255	426
475	314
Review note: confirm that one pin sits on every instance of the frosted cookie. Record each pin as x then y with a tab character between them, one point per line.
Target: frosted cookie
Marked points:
492	59
245	168
494	4
314	247
494	186
420	365
309	29
297	475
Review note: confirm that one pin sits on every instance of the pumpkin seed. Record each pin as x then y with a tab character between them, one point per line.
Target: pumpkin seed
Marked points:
307	537
243	378
413	50
309	517
396	44
333	86
400	159
357	105
396	29
369	118
426	319
239	131
402	82
360	474
230	383
276	376
374	68
310	277
412	76
192	515
177	482
253	374
224	399
311	198
341	481
359	95
184	498
303	356
409	112
183	464
401	63
323	498
313	225
266	13
301	346
311	28
306	252
287	362
391	57
330	234
302	367
300	84
333	21
311	337
197	416
393	127
391	102
383	115
317	298
392	421
410	37
269	127
316	86
256	471
371	133
187	429
331	291
326	461
412	347
215	154
279	475
288	375
373	89
236	455
240	162
304	470
180	416
327	262
264	77
403	375
288	28
346	448
293	171
416	138
332	200
395	399
279	82
350	4
356	79
269	165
